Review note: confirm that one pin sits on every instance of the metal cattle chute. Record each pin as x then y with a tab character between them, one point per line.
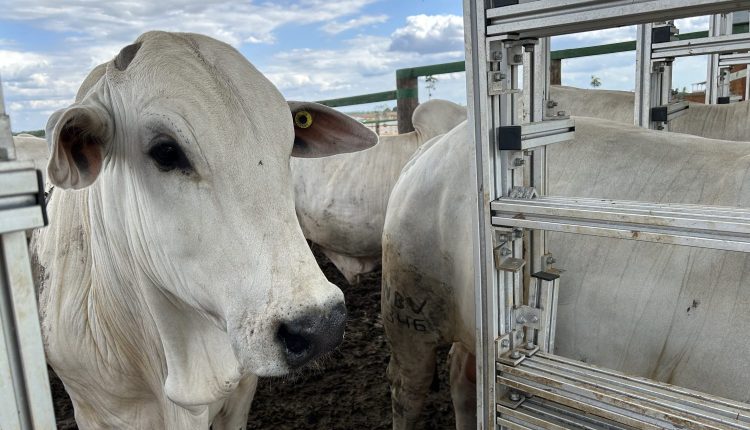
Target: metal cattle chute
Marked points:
25	400
521	384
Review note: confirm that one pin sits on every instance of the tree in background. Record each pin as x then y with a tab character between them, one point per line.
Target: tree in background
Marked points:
595	82
430	82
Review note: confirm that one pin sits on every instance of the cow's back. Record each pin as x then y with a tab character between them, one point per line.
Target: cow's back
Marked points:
341	200
727	122
676	314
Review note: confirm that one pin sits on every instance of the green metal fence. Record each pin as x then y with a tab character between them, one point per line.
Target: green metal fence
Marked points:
406	93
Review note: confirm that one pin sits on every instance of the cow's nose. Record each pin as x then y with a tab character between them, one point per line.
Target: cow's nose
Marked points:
309	336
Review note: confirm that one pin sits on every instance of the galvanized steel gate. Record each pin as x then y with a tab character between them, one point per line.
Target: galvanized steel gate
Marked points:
520	383
25	401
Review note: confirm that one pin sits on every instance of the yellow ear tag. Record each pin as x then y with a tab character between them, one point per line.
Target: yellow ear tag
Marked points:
303	119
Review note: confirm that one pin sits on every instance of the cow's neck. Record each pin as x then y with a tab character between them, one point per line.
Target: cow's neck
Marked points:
99	298
85	295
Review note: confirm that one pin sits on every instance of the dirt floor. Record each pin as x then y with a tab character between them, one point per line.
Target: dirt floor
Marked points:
346	390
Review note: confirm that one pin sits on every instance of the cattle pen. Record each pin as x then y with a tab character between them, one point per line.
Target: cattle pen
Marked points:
558	263
406	93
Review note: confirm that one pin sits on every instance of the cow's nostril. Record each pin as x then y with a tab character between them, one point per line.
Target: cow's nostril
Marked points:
311	335
295	343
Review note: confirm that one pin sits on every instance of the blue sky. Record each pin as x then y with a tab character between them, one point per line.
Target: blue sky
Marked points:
311	49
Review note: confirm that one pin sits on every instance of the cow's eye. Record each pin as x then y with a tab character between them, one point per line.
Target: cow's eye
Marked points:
169	156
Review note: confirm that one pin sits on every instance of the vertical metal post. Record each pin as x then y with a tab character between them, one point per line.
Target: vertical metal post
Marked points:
7	150
25	399
538	93
719	24
643	80
486	297
653	86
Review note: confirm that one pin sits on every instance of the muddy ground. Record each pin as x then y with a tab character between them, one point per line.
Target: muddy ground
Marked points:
346	390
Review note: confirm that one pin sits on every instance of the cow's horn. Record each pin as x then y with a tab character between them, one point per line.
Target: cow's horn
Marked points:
126	55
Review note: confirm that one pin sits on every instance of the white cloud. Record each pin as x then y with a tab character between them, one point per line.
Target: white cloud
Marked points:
360	66
695	23
428	34
14	64
35	84
121	21
335	27
597	37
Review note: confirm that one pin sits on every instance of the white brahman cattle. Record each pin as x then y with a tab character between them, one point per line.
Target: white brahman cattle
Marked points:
727	122
32	148
341	200
675	314
174	271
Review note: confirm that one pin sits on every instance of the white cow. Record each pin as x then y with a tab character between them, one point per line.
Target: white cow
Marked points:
647	309
727	122
32	148
174	271
341	200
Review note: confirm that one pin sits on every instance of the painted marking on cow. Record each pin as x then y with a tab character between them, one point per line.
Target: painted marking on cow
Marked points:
401	306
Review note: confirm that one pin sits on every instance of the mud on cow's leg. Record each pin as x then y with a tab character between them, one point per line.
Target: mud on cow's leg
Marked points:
463	386
414	340
410	374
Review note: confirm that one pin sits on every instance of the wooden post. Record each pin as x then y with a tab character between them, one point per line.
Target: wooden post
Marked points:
407	94
555	72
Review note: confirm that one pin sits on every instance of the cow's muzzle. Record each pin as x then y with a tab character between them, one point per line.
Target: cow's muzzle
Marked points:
309	336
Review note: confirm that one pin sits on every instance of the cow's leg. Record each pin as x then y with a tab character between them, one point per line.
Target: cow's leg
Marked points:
410	373
233	414
463	386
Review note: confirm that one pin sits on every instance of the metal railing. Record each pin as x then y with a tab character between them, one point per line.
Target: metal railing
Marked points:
406	93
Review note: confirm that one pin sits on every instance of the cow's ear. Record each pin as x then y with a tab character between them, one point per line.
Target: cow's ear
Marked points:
320	131
77	137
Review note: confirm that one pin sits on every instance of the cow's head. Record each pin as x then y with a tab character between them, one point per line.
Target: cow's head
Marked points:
184	147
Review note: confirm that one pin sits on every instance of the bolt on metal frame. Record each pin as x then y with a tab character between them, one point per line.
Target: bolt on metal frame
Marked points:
515	298
25	399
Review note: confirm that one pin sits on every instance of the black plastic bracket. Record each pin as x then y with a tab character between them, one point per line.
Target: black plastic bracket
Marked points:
545	276
40	199
501	3
509	138
659	113
661	34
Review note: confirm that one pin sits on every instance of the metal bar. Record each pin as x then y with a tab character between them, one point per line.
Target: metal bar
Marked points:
706	45
536	134
645	86
612	48
18	182
717	27
432	69
538	413
716	218
23	296
738	59
625	399
12	411
486	299
667	113
557	17
630	232
361	99
7	148
726	229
